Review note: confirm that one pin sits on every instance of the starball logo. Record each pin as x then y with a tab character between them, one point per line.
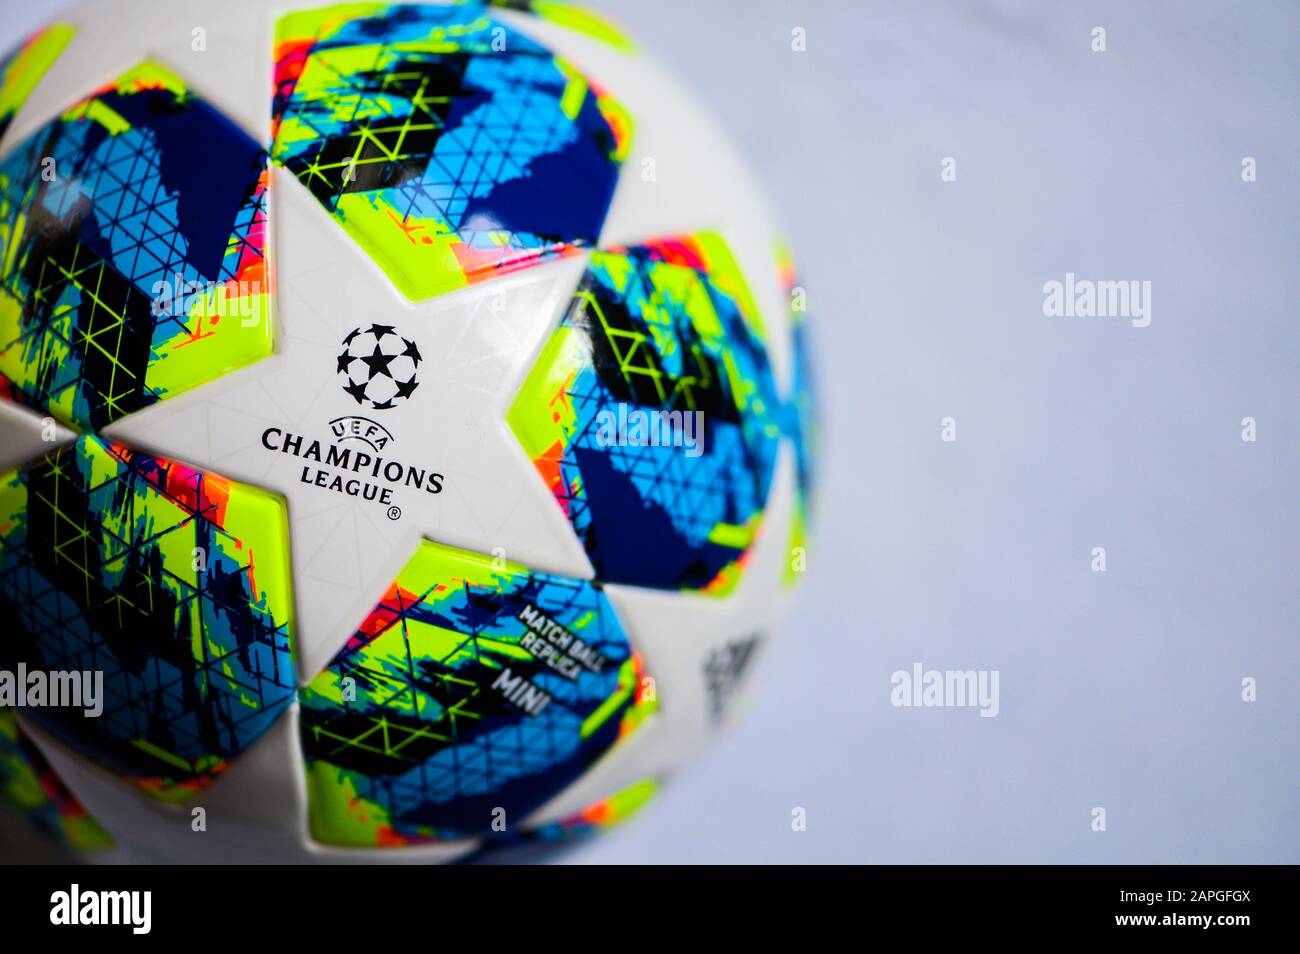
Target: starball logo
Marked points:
378	367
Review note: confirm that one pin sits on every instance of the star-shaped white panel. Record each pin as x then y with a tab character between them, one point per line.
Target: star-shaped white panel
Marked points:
365	483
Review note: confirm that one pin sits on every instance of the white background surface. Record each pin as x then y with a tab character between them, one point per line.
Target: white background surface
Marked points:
1119	690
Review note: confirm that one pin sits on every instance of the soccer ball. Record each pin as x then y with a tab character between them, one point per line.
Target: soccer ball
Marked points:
406	442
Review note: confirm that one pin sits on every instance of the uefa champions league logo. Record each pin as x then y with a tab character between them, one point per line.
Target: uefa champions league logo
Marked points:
378	366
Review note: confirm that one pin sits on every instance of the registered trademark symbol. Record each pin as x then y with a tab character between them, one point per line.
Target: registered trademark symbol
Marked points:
394	513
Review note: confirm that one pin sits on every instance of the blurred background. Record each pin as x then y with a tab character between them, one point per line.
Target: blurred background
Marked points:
1119	689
